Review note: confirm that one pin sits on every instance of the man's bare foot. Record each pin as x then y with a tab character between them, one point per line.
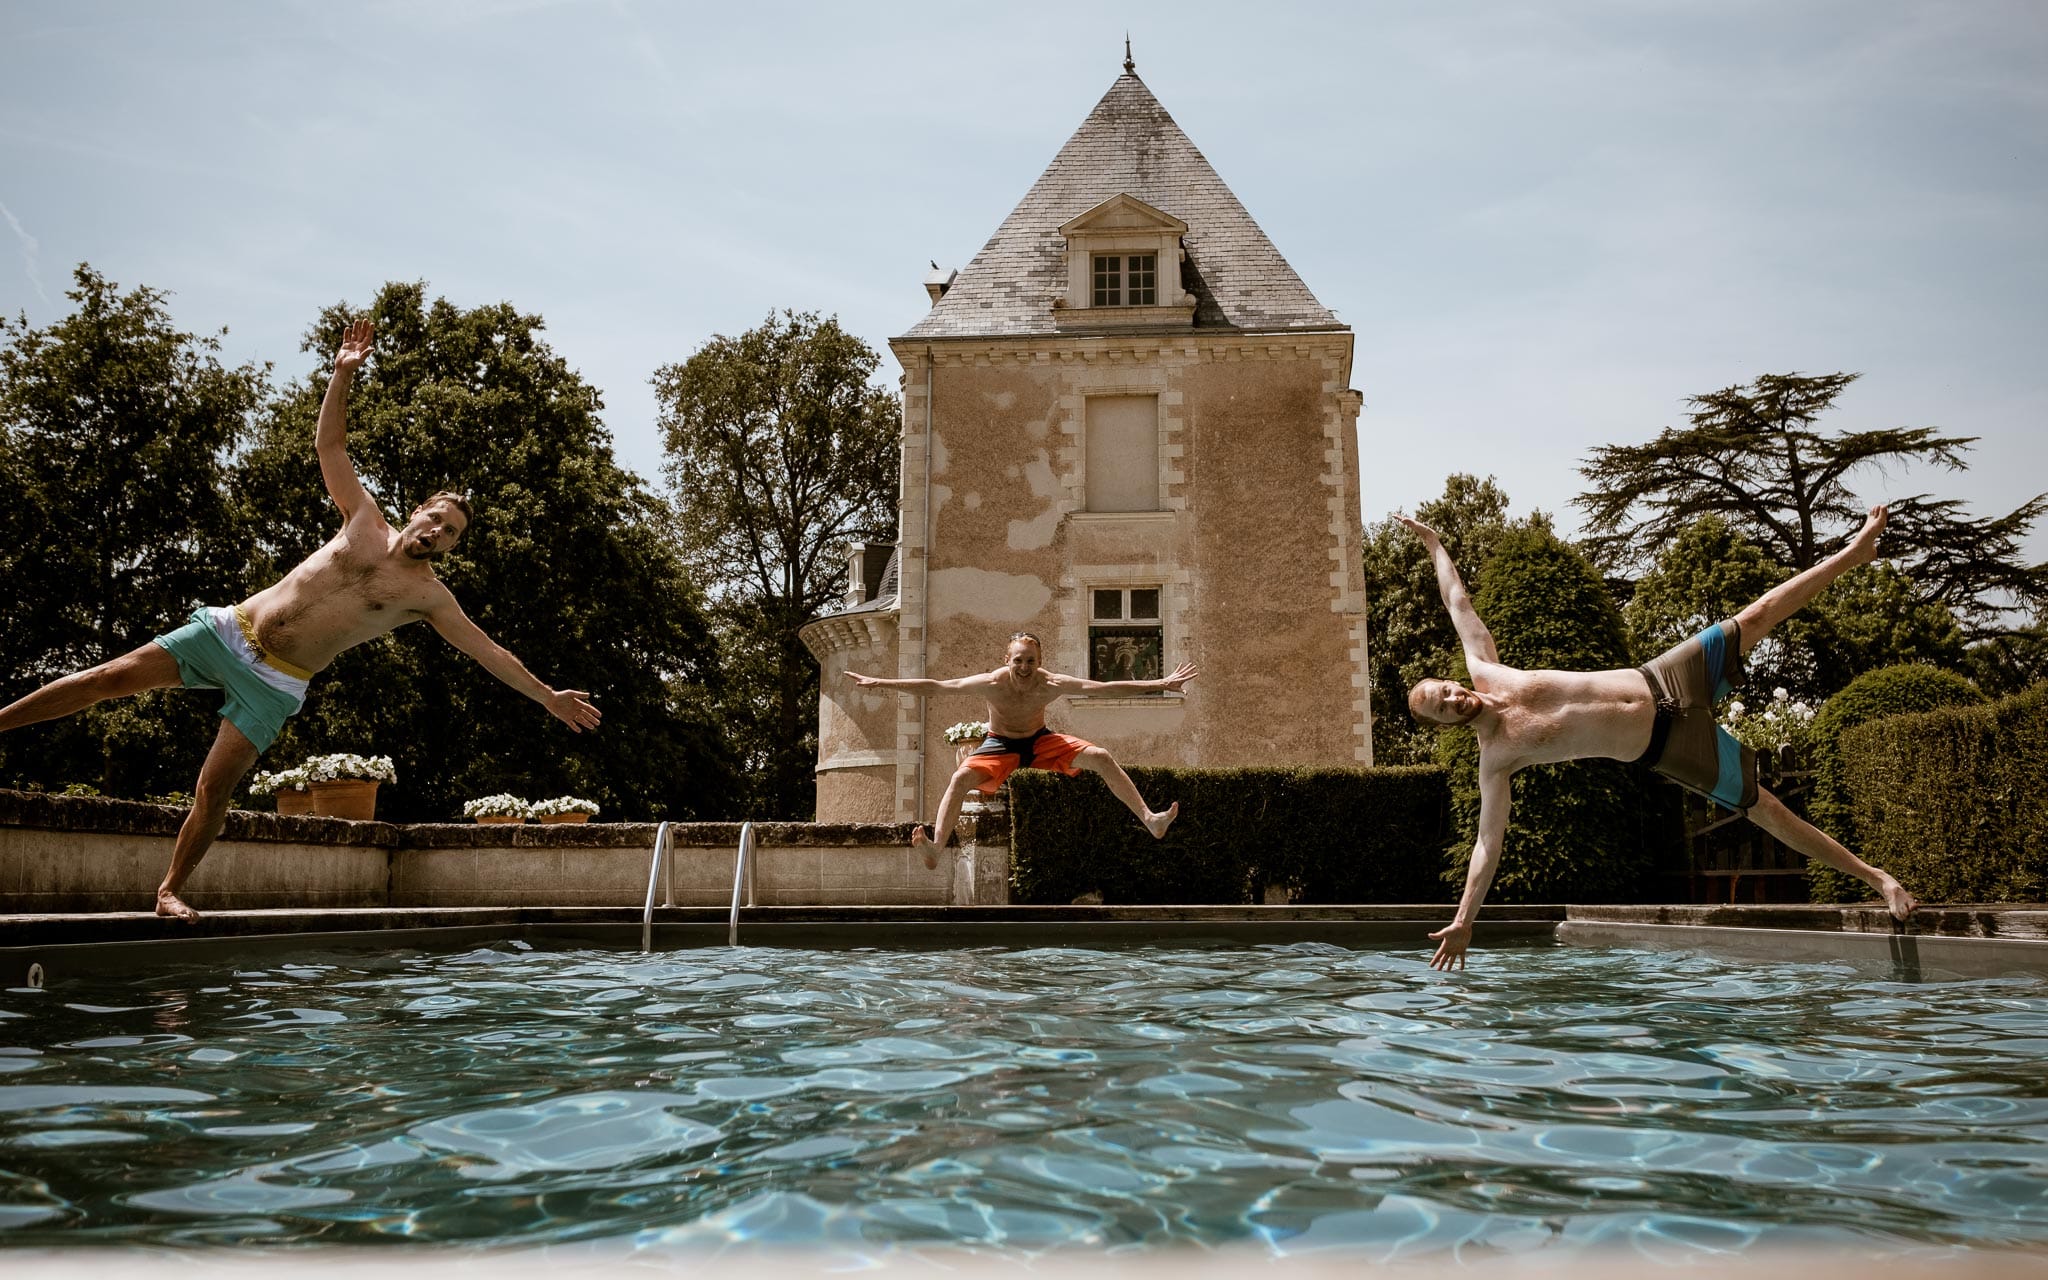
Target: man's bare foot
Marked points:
924	845
1896	897
169	904
1157	823
1863	547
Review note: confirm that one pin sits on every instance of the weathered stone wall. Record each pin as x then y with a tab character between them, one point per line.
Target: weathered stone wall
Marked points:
1254	545
857	755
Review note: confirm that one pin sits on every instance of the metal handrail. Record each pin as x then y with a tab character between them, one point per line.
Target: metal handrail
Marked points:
742	878
654	866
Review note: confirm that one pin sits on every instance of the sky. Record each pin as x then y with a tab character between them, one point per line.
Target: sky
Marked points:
1548	224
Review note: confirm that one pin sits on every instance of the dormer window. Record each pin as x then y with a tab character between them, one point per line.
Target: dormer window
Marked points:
1127	280
1123	260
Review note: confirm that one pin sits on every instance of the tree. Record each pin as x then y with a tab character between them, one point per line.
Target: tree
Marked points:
1753	457
569	563
780	452
1410	631
1870	617
117	432
1583	830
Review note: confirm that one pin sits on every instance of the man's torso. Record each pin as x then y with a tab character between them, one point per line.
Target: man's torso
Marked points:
1541	717
355	588
1018	711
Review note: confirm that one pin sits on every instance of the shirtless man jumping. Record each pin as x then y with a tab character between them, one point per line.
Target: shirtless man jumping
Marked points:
1018	693
367	580
1661	714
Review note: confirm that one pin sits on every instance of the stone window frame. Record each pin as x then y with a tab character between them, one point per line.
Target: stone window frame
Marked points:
1172	586
1157	396
1124	226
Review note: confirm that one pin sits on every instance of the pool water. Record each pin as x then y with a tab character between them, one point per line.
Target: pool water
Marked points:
1297	1098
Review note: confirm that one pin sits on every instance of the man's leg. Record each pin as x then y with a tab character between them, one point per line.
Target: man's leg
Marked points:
231	757
1097	761
1789	597
1797	833
965	779
150	667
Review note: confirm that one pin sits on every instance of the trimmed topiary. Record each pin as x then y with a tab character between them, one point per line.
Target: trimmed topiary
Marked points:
1887	691
1586	830
1952	802
1323	835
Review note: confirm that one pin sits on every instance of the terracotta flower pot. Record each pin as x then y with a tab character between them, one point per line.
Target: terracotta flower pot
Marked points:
292	801
492	819
351	798
563	817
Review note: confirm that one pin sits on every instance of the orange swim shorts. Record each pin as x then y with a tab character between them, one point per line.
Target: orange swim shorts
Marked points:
1000	757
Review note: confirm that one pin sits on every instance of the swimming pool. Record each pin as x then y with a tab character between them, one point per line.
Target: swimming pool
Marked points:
1291	1097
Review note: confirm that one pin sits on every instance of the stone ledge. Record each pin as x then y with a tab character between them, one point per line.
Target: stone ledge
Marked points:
104	815
2013	921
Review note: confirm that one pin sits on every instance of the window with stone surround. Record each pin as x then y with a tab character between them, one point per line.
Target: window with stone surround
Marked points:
1124	269
1125	639
1121	453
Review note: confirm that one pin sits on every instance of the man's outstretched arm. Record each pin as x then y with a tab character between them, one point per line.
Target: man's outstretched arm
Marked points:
1472	633
571	706
330	438
924	688
1113	688
1494	799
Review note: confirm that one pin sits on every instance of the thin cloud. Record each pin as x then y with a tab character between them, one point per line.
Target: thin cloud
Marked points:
30	252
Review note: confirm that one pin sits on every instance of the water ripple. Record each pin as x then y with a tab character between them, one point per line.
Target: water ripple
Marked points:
1307	1097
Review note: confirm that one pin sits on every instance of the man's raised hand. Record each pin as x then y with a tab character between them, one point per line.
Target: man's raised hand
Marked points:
1416	527
355	346
1181	675
574	708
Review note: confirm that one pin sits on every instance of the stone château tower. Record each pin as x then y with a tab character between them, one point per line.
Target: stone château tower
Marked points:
1128	428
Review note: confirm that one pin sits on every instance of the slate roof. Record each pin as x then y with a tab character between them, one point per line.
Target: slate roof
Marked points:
1127	144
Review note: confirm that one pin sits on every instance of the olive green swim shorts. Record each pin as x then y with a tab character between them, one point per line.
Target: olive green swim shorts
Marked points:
1687	745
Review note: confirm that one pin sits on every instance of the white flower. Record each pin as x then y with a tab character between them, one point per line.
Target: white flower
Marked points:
497	806
333	768
1735	710
561	804
262	784
1779	695
967	731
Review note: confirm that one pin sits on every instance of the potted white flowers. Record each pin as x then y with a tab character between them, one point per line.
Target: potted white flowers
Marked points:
497	808
342	785
965	737
562	809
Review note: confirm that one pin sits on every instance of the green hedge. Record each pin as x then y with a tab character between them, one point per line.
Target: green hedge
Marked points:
1955	802
1887	691
1325	835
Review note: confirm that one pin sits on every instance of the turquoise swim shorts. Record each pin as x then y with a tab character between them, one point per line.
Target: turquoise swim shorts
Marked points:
213	654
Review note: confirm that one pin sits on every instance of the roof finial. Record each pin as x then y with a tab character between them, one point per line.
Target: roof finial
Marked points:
1130	68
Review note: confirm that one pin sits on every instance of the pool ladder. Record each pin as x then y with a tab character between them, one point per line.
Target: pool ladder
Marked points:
664	861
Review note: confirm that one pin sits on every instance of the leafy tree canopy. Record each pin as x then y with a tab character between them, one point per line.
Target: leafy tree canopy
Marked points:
1870	617
117	433
781	450
1753	456
567	563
